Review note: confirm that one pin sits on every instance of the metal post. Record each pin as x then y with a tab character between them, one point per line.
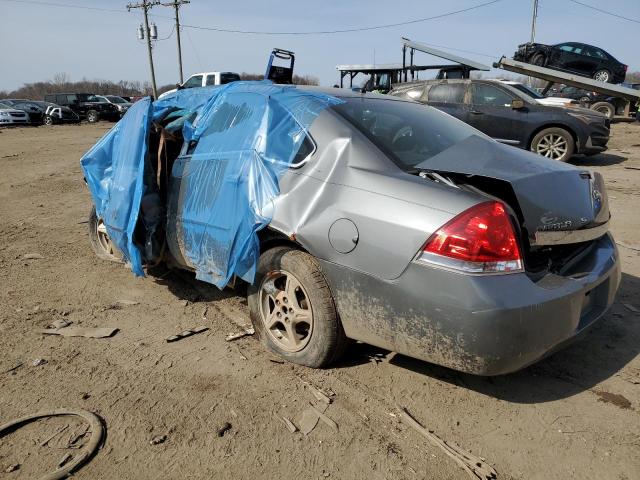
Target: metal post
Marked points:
176	5
533	20
145	5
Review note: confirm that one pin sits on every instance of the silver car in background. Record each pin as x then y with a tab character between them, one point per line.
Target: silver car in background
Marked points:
399	226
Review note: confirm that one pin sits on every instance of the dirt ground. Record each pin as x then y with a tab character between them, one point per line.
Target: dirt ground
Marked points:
573	415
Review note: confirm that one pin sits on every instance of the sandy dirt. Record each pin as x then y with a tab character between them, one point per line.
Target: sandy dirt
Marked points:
573	415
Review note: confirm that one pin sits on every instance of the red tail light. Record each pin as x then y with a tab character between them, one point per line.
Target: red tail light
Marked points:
479	240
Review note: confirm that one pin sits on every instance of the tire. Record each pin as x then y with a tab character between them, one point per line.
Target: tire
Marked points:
584	101
48	120
604	107
289	285
538	59
100	242
92	116
554	143
603	75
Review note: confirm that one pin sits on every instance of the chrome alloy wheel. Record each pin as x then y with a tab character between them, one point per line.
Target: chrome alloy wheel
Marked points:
286	311
552	146
103	237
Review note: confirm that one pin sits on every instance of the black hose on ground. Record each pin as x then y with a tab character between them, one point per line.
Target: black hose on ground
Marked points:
95	427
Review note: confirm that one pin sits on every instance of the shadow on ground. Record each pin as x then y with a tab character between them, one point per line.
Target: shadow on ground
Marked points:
599	160
600	353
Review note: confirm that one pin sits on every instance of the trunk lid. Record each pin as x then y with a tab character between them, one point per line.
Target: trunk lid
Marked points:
556	203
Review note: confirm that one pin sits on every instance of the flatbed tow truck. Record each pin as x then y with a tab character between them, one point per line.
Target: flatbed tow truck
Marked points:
554	76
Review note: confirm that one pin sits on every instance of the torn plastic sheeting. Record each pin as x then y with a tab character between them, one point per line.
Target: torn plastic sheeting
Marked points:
113	169
246	139
246	134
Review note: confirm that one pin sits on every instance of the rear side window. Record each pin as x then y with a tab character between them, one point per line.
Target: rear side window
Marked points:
211	80
228	78
483	94
408	133
447	93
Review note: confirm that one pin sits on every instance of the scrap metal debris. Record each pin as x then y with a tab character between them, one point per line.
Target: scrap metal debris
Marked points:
32	256
58	432
60	323
127	302
68	465
631	308
226	426
186	333
38	361
85	332
15	367
289	424
475	467
12	468
64	460
235	336
158	439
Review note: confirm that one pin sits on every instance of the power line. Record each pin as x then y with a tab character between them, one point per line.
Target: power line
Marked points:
605	12
346	30
262	32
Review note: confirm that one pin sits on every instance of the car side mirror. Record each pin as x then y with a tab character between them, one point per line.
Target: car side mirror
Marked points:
179	86
517	104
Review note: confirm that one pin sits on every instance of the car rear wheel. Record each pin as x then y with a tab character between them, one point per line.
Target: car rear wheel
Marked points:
92	116
100	241
554	143
292	310
603	76
604	107
538	59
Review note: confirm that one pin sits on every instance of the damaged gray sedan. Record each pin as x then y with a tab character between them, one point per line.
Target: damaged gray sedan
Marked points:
387	222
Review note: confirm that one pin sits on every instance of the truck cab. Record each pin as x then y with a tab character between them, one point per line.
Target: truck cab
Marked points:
205	79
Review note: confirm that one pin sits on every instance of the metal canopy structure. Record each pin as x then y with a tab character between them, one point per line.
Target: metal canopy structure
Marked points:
555	76
466	65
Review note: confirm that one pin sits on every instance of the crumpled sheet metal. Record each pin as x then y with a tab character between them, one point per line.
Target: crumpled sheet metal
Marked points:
246	135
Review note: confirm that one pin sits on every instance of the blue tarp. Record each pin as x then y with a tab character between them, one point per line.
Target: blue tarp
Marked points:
242	138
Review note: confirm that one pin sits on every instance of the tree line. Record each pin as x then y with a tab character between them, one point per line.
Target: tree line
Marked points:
61	83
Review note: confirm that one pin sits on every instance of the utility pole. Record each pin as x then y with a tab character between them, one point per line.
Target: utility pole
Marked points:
533	29
146	5
533	20
176	5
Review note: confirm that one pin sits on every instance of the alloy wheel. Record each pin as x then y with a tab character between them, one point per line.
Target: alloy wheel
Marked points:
601	76
103	237
286	311
552	146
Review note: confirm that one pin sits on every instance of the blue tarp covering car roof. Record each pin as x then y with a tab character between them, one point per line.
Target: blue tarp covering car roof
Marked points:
238	141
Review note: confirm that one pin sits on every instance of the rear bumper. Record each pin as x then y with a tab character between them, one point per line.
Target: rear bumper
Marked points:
485	325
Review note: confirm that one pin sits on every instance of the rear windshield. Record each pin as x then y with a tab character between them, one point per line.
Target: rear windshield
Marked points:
409	133
228	78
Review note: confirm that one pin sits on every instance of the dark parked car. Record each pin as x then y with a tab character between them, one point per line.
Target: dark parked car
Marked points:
85	105
513	117
55	114
599	102
580	58
35	111
358	216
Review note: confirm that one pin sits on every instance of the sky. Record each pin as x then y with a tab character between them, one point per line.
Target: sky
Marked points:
41	40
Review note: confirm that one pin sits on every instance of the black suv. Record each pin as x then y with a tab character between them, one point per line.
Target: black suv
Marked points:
512	117
85	105
580	58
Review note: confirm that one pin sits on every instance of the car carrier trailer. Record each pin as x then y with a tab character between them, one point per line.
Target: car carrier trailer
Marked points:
554	76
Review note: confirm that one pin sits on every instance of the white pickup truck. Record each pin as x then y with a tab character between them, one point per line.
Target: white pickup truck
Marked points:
205	79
